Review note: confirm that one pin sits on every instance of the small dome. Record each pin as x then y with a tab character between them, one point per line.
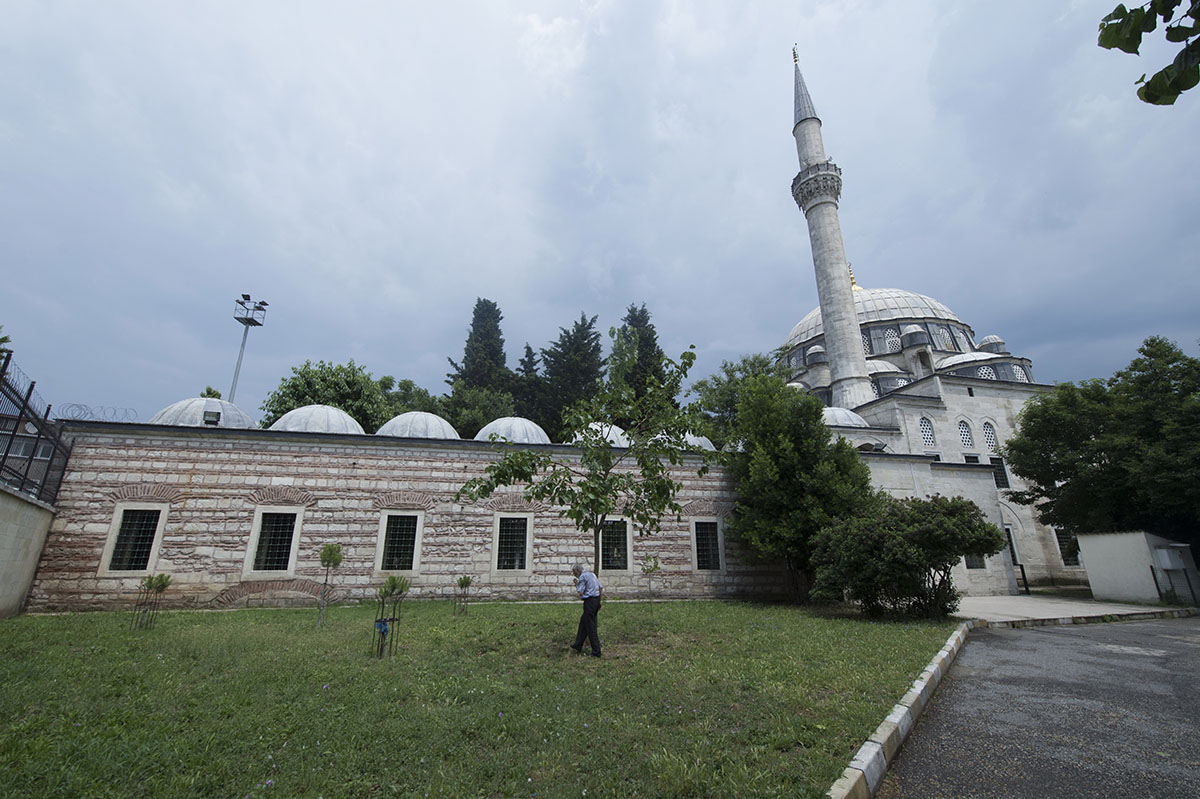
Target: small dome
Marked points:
203	412
907	329
613	434
699	442
841	417
993	344
515	430
317	419
417	424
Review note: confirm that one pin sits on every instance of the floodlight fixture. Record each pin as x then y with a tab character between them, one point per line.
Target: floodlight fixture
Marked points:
248	314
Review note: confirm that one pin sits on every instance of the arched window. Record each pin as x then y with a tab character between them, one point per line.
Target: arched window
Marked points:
1019	373
927	433
891	337
989	436
947	339
866	343
986	373
964	434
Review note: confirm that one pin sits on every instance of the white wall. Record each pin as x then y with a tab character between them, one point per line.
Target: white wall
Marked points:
1119	567
23	526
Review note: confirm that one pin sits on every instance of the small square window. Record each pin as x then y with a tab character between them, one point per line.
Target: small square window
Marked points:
970	459
975	562
274	540
708	546
399	541
614	546
133	539
999	473
512	543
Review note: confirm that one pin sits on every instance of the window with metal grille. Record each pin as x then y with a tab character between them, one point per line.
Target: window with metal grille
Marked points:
510	544
964	435
400	543
1019	374
964	343
970	459
274	550
989	437
975	562
135	539
866	340
708	546
902	381
947	339
875	388
891	337
614	546
1068	545
1012	544
927	433
985	373
999	473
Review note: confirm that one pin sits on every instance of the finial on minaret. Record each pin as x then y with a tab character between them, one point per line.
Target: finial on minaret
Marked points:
795	58
853	285
804	103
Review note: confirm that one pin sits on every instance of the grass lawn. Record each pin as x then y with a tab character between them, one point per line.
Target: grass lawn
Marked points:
691	699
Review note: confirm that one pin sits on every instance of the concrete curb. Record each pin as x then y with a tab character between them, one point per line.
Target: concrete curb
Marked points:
864	775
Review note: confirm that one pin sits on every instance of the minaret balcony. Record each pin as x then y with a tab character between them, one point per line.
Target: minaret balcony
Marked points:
817	183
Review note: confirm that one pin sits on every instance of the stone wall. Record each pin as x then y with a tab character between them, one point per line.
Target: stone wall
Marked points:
209	483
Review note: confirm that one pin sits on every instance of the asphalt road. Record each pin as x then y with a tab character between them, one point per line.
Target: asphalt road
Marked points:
1097	710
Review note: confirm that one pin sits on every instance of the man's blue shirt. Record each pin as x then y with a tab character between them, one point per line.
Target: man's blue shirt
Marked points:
588	585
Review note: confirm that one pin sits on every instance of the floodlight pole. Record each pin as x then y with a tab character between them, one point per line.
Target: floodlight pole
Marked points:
248	313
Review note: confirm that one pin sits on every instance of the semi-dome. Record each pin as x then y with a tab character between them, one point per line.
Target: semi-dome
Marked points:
842	417
514	429
877	366
317	419
203	412
418	424
613	434
965	357
876	305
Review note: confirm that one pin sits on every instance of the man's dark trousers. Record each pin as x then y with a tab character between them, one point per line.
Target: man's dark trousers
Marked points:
587	626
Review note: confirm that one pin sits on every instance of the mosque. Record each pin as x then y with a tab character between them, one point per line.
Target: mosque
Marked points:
238	515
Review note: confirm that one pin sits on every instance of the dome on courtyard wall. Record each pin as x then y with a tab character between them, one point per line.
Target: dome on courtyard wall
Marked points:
191	412
418	424
613	434
876	305
317	419
515	429
699	442
841	417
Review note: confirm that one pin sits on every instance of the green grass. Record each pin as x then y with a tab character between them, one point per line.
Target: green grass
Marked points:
691	699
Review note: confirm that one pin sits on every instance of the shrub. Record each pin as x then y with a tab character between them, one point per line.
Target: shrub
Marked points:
896	558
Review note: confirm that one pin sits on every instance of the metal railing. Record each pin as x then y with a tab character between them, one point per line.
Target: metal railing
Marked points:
33	455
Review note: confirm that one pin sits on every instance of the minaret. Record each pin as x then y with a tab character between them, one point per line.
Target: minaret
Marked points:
816	190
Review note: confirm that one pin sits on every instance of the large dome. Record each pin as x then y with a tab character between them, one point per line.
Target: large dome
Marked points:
317	419
191	412
876	305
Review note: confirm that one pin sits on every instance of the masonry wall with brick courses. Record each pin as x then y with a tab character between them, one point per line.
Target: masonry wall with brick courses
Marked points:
211	480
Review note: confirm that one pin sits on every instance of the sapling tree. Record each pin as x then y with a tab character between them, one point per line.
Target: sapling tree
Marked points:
389	595
599	480
650	567
460	596
331	558
150	592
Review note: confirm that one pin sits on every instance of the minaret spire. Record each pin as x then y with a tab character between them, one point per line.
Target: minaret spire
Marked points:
816	190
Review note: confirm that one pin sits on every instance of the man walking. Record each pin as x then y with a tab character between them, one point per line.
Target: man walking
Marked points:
589	591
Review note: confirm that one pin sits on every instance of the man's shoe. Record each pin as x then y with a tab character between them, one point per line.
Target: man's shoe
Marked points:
595	654
578	649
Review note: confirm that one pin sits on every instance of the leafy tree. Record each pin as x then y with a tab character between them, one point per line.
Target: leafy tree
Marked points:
1123	29
210	392
896	557
719	393
597	480
529	392
469	409
483	362
346	386
402	396
792	478
1120	454
4	340
574	371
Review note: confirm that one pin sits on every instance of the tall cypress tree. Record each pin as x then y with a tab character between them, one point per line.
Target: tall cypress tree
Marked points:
574	370
529	391
483	362
649	365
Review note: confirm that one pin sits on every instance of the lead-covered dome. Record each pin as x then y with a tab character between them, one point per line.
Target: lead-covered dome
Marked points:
203	412
842	417
418	424
876	305
514	429
317	419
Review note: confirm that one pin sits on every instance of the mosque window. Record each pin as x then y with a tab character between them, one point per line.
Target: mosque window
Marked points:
399	542
614	545
1012	544
1068	546
708	546
999	473
946	339
989	436
134	537
964	343
927	433
866	342
891	337
902	381
1019	374
975	562
512	542
986	373
273	540
875	389
964	435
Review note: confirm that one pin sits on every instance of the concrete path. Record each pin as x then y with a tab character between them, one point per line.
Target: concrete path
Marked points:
1095	710
1033	608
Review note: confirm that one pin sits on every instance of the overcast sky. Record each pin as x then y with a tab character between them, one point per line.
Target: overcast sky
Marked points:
370	169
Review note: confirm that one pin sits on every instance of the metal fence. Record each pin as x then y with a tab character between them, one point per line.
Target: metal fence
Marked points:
33	455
